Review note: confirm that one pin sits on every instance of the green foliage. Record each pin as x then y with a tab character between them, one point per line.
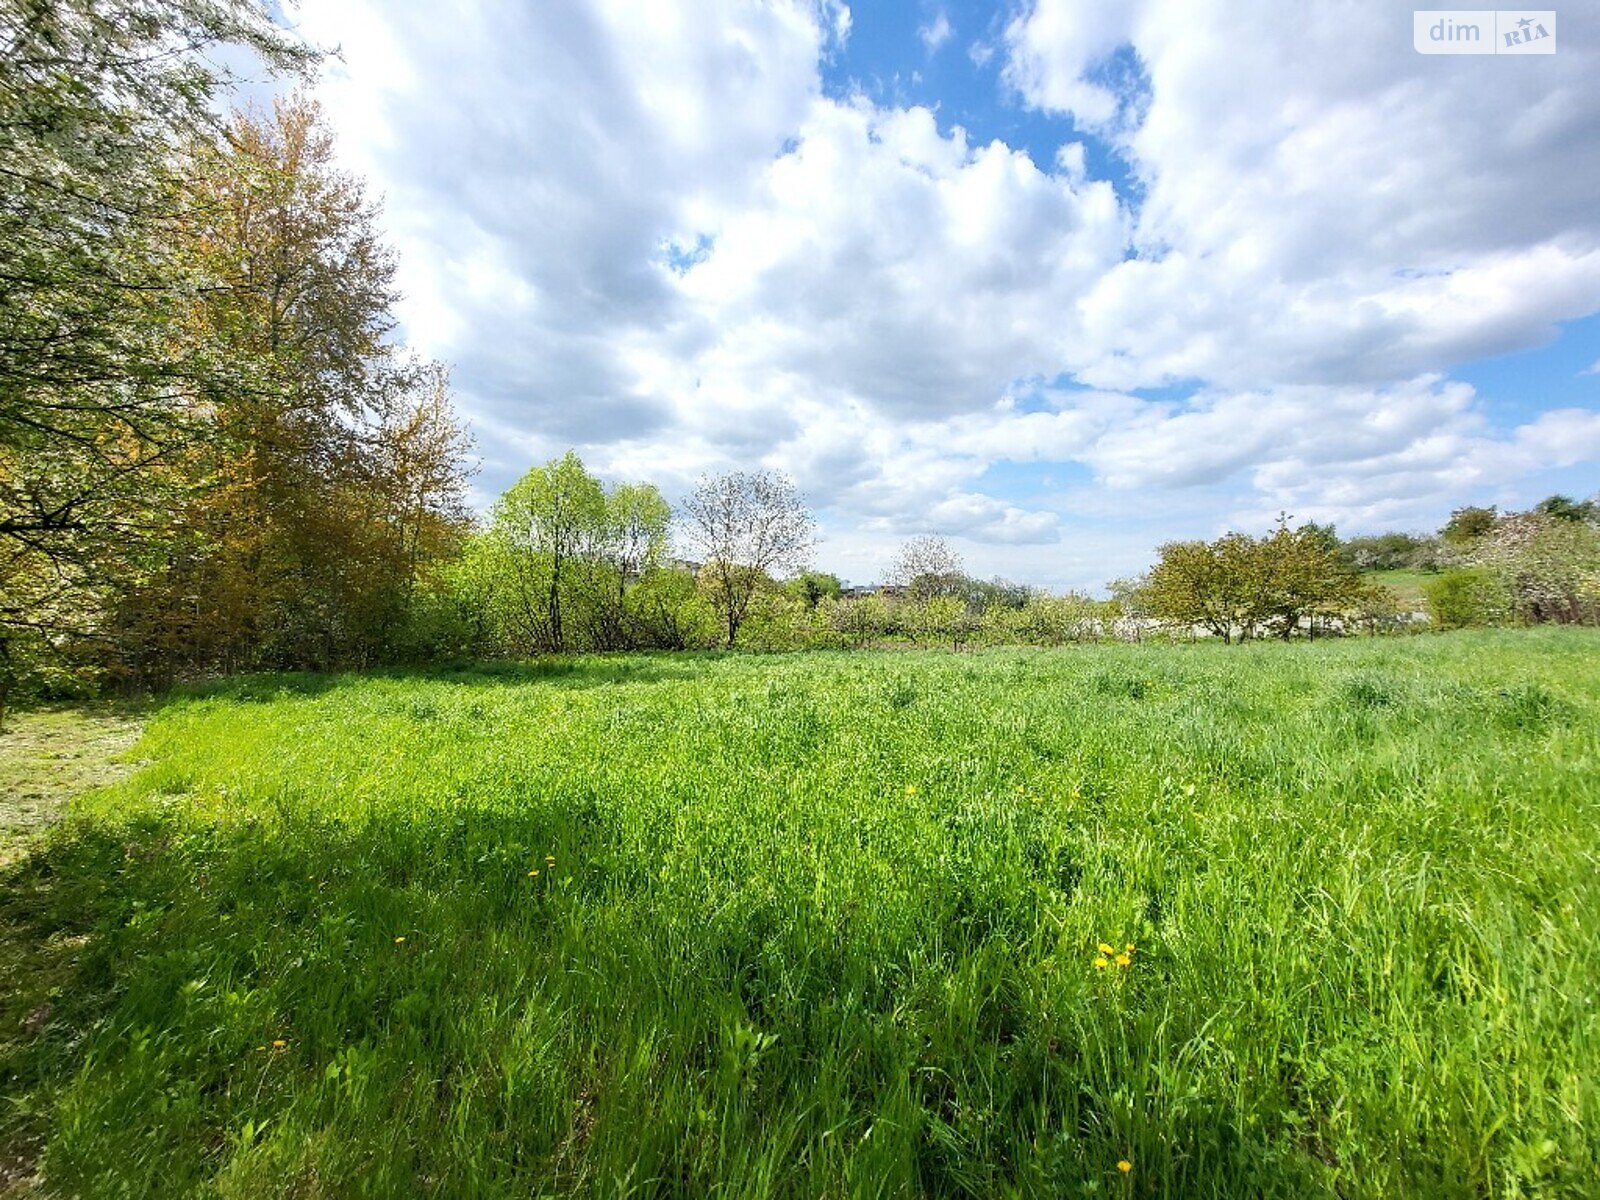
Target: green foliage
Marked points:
1565	508
561	554
811	588
549	532
1464	598
667	611
938	619
1051	621
858	620
1375	608
213	456
323	494
1391	552
827	925
1246	586
1468	524
101	373
1547	566
774	620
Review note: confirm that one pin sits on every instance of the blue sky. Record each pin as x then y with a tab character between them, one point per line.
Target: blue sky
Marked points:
1056	280
949	58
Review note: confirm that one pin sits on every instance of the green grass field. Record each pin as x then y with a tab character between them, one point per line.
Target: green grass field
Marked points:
832	925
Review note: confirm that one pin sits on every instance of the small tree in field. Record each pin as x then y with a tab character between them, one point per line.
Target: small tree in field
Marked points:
927	567
747	526
859	620
940	618
1303	577
1467	525
1203	583
548	528
1244	586
1465	597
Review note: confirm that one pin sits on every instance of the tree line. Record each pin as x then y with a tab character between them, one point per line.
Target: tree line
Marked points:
565	563
217	456
1483	567
214	453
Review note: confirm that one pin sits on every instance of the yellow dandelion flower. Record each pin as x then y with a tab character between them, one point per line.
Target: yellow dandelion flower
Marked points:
279	1044
1123	960
1124	1165
260	1047
1101	963
533	872
911	789
1105	949
551	859
1129	947
400	941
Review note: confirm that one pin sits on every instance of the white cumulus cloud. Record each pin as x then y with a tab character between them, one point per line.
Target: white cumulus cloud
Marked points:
651	233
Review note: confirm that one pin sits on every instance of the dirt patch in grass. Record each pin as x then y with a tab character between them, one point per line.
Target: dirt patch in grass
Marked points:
48	757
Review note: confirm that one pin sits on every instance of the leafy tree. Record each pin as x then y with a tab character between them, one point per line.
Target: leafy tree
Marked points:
1325	537
666	610
638	523
779	620
331	469
1046	620
101	377
940	618
550	528
1242	586
858	620
1565	508
419	470
1302	578
746	525
811	588
567	564
1377	609
1468	524
1206	584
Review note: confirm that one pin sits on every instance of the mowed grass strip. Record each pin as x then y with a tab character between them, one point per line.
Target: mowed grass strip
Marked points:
1279	920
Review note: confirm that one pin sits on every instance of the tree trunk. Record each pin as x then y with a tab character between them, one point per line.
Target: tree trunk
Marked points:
555	602
5	680
555	614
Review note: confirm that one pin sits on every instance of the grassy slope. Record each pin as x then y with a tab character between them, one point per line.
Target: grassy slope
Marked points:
826	925
1407	585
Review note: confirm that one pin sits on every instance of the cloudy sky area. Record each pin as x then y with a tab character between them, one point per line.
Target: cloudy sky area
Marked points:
1058	281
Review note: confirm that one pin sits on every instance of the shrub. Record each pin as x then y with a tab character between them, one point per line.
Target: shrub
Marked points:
1547	567
857	620
1464	598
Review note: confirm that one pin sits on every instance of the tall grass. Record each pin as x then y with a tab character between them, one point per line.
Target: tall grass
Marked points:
829	925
